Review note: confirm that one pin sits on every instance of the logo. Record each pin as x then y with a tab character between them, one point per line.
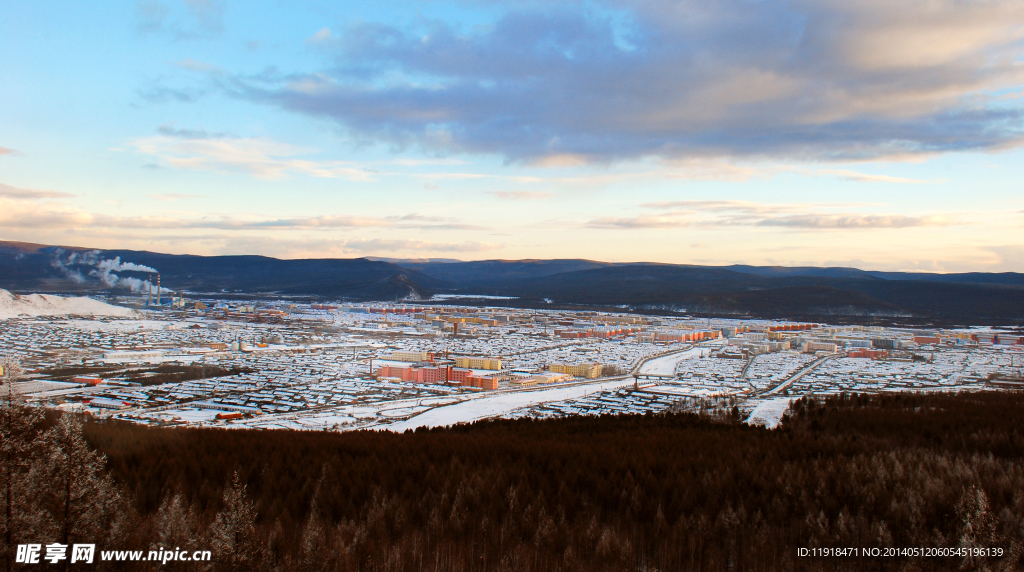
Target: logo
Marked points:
56	552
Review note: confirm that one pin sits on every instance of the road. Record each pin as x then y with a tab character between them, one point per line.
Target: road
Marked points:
496	404
666	364
814	365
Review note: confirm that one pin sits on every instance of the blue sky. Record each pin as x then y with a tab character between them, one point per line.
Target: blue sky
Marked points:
873	134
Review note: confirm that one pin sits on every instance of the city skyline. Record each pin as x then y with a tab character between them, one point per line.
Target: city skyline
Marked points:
878	136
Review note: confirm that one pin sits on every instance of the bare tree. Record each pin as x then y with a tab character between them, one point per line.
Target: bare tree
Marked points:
19	446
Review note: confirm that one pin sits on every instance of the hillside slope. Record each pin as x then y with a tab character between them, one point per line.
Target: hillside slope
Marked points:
749	291
28	267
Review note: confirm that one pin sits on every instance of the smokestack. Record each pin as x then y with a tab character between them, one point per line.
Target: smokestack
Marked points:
149	299
158	290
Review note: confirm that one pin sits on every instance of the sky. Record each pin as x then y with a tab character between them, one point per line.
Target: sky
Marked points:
878	134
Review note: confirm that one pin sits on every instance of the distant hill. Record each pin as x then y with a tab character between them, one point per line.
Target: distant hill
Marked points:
722	291
764	291
739	290
490	273
40	268
1007	278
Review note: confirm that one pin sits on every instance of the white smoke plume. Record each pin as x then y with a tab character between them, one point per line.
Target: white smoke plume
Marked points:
134	284
90	258
70	273
104	270
132	267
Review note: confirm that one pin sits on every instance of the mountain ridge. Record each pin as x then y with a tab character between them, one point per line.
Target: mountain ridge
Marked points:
739	290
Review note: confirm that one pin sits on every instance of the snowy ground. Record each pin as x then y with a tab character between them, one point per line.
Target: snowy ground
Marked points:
490	405
124	325
189	415
39	386
681	390
667	365
769	412
12	306
471	297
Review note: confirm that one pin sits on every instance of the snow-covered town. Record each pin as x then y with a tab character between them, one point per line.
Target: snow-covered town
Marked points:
338	367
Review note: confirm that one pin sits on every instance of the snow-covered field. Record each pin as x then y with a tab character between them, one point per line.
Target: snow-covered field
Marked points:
769	412
13	306
123	325
39	386
189	415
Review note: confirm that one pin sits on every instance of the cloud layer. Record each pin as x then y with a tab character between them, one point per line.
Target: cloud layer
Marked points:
16	193
679	214
21	209
262	158
580	81
520	195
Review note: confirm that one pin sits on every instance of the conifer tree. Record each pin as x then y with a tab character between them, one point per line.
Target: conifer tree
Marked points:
177	528
314	550
19	446
977	525
79	499
232	535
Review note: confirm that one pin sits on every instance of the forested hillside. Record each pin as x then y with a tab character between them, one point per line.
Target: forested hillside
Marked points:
659	492
807	294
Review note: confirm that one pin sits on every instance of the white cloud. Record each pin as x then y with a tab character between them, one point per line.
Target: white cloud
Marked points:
167	197
322	37
455	176
727	213
27	214
865	177
20	212
261	158
855	221
16	193
399	245
638	222
719	205
519	195
1009	258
